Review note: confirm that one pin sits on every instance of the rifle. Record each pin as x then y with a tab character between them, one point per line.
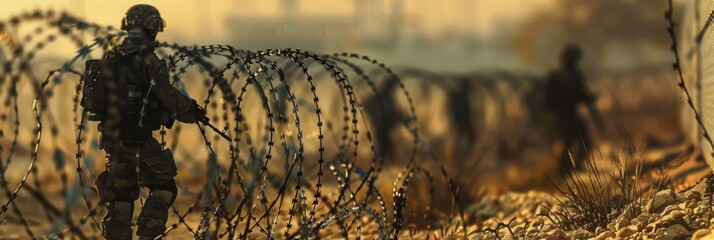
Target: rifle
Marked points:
222	133
595	114
206	122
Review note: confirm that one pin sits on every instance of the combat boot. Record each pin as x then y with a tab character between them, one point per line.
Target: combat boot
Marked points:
117	221
153	216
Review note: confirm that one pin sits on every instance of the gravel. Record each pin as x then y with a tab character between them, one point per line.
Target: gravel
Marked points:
666	215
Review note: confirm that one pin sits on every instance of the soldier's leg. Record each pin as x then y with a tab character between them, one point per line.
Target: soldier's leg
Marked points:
155	212
118	188
565	163
156	172
584	145
384	139
570	143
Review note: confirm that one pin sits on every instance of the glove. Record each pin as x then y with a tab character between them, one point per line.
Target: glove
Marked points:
199	113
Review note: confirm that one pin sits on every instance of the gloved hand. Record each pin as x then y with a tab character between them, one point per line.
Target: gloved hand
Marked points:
199	113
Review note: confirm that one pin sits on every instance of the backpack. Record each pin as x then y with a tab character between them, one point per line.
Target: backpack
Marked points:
139	112
94	99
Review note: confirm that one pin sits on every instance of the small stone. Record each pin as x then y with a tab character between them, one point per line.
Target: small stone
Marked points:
696	196
673	232
640	225
532	233
486	208
556	233
626	231
605	235
697	224
524	213
691	204
675	217
701	186
504	233
704	233
599	230
699	209
631	210
621	222
670	208
477	236
680	197
646	218
683	204
582	234
518	231
661	200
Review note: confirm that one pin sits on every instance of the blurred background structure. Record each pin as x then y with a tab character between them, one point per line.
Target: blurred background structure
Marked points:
502	49
457	36
476	71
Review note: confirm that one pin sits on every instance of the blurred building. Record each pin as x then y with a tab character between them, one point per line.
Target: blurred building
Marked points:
435	35
456	35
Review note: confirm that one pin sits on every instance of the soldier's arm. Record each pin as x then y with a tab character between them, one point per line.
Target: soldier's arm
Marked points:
171	99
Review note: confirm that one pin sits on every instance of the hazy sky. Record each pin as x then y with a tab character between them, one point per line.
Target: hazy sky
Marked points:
197	19
440	23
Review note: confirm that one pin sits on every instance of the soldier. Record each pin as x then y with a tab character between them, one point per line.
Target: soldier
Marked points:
139	99
565	91
460	109
385	115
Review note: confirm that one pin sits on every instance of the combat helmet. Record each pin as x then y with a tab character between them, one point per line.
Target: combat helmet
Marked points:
145	16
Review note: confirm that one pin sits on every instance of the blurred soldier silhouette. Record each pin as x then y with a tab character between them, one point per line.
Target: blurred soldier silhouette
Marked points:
565	91
135	100
385	115
461	115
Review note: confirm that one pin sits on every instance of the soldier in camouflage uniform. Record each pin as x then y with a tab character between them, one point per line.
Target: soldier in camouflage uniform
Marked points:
139	99
565	92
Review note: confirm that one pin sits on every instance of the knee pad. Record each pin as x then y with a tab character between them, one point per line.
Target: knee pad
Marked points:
121	210
152	219
167	191
108	191
117	221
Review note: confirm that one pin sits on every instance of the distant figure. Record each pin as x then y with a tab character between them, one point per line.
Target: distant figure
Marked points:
565	91
459	105
385	115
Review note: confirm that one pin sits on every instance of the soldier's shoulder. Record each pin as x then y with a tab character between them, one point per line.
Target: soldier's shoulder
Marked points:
152	59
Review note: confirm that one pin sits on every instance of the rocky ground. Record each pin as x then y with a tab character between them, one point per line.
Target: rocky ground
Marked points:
666	215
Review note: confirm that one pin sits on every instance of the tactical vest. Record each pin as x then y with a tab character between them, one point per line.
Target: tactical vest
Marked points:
115	82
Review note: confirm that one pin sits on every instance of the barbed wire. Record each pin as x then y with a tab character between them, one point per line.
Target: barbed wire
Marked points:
677	66
251	186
